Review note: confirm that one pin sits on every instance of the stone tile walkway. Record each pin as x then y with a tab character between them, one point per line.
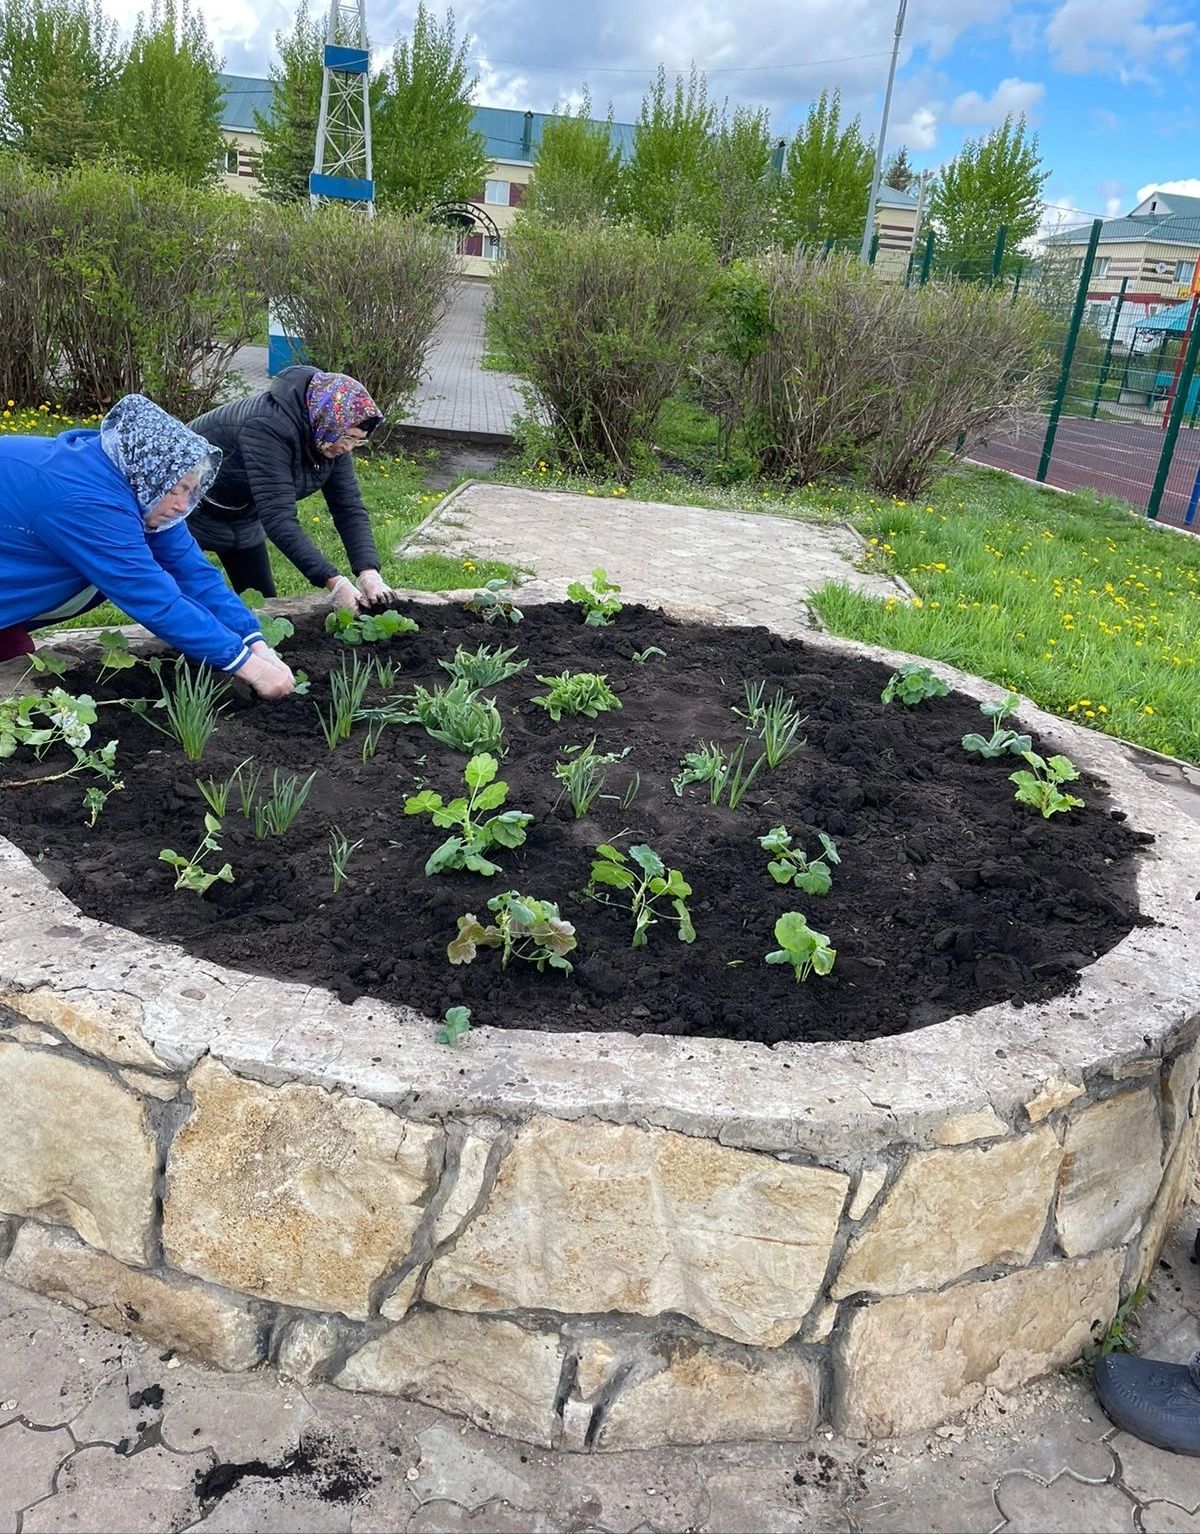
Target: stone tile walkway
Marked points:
456	398
101	1433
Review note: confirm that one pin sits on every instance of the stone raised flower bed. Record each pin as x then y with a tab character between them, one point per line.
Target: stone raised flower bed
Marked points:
594	1238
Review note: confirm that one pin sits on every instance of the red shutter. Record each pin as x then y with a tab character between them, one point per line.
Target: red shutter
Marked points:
480	194
516	194
473	245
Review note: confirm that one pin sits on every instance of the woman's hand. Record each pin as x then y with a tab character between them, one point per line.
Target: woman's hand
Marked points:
373	588
268	675
344	593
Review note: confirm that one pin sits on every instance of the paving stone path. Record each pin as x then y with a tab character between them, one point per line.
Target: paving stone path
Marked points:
100	1433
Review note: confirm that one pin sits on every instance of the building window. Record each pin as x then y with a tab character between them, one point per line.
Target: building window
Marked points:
496	191
1100	267
1184	270
231	160
493	247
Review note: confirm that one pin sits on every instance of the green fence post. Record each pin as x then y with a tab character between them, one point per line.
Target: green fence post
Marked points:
927	259
1108	350
998	252
1060	394
827	247
1183	388
1017	282
874	251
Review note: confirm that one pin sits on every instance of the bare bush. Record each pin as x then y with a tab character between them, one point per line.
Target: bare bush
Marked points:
28	296
601	320
362	295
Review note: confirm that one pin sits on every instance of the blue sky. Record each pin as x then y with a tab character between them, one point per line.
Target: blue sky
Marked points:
1109	85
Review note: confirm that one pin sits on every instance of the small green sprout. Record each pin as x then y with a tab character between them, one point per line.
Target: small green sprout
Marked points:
454	715
1002	741
579	692
584	772
806	951
190	873
600	600
455	1025
369	628
347	692
789	865
725	774
494	603
912	684
484	667
276	815
524	928
1040	788
474	836
115	653
95	798
192	706
777	723
640	657
653	882
341	849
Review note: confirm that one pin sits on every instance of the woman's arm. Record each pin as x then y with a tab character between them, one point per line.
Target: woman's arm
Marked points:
344	499
269	460
180	556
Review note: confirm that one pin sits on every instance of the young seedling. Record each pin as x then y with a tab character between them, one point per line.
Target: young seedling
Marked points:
192	705
216	792
484	667
912	684
474	835
788	864
48	663
116	654
95	798
1002	741
808	952
583	774
494	604
341	850
347	690
600	600
524	928
725	774
454	715
276	816
248	777
455	1025
640	657
375	729
1040	788
369	628
58	718
777	723
579	692
651	883
190	873
385	673
274	629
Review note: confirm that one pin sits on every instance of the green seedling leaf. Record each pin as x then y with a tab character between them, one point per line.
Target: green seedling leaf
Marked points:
455	1025
647	860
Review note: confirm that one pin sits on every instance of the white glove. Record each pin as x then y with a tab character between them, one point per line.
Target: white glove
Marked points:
261	647
344	593
270	678
373	589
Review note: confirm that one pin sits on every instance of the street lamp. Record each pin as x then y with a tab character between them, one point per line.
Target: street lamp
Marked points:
869	227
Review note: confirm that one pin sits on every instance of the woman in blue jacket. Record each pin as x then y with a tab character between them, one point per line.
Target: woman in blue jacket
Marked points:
95	515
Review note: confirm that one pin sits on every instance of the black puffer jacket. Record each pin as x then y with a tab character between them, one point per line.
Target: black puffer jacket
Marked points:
269	462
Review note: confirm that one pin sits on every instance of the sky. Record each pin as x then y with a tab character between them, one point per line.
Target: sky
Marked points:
1110	86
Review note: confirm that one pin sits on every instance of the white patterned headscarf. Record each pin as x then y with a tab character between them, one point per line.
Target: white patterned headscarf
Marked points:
155	452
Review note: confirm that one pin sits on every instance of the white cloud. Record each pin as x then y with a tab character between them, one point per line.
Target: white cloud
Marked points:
1186	186
920	130
1011	98
1114	37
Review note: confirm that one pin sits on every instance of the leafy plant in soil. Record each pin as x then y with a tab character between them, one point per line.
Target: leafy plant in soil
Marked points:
1040	788
274	628
341	850
59	718
474	836
1002	741
777	724
455	1025
367	628
725	773
808	952
525	928
640	657
912	684
789	865
454	715
117	656
599	599
651	883
583	774
578	692
47	663
347	692
190	873
276	815
216	791
494	603
95	798
191	703
483	667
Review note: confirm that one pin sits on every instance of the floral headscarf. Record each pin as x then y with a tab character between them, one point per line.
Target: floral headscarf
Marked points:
155	452
336	402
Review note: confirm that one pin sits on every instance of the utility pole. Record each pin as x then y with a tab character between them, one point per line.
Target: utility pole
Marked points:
342	163
869	228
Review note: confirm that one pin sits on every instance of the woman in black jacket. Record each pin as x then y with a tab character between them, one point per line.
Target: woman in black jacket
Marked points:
278	447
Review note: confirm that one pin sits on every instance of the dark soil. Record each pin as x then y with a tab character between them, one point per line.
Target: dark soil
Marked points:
331	1472
950	895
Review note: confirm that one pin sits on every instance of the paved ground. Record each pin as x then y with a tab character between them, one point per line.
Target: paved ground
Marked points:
98	1434
456	397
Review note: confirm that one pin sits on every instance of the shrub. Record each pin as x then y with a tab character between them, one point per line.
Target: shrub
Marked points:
364	295
968	361
27	297
155	289
601	320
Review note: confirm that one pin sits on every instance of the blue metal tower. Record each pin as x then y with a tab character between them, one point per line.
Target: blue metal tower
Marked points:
342	164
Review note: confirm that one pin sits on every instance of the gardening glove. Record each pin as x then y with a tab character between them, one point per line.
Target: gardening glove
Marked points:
261	647
373	588
270	678
344	593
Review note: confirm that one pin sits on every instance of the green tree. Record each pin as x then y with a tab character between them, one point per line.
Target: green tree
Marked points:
289	132
168	100
899	174
827	179
59	60
576	168
426	149
993	180
668	181
745	185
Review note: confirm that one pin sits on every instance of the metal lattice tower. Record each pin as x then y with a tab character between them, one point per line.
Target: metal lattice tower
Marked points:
342	164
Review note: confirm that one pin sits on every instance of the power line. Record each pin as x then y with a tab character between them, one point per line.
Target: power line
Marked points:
643	69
